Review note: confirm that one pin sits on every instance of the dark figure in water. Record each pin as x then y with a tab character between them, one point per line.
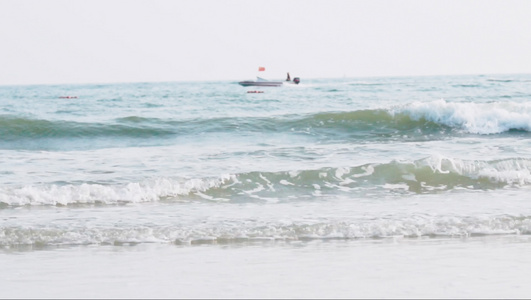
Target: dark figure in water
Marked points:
288	79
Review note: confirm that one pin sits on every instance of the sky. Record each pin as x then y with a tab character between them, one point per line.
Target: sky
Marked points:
95	41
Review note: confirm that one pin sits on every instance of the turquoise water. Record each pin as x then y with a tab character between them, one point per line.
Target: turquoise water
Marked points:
207	163
202	146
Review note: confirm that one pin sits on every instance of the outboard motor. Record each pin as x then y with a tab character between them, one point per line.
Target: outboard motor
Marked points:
296	80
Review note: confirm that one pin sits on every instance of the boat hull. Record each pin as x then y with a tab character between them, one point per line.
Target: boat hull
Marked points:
260	83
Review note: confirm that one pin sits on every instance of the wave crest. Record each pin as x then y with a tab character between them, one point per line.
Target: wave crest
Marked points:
477	118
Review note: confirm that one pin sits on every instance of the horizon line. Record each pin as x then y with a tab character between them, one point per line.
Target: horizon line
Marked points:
237	80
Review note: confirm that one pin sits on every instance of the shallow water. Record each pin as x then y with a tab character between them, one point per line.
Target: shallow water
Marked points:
481	267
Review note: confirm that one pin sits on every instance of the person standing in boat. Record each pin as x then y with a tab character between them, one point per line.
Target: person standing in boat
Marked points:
288	78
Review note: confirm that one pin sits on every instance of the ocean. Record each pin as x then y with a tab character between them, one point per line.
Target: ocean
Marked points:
381	187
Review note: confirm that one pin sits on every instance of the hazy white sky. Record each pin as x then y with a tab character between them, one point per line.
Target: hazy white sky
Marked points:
93	41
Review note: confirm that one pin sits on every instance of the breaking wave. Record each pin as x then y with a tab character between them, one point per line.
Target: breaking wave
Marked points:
415	121
477	118
433	174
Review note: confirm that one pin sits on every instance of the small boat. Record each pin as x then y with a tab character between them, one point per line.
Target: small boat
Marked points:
264	82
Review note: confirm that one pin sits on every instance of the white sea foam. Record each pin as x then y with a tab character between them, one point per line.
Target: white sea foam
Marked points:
246	230
479	118
515	171
134	192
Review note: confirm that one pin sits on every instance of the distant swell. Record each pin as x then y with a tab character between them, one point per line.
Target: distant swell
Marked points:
430	175
16	128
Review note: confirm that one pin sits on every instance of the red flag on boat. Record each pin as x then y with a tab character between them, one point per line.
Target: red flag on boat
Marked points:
261	69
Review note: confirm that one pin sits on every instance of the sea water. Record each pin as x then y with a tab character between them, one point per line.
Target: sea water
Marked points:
350	187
